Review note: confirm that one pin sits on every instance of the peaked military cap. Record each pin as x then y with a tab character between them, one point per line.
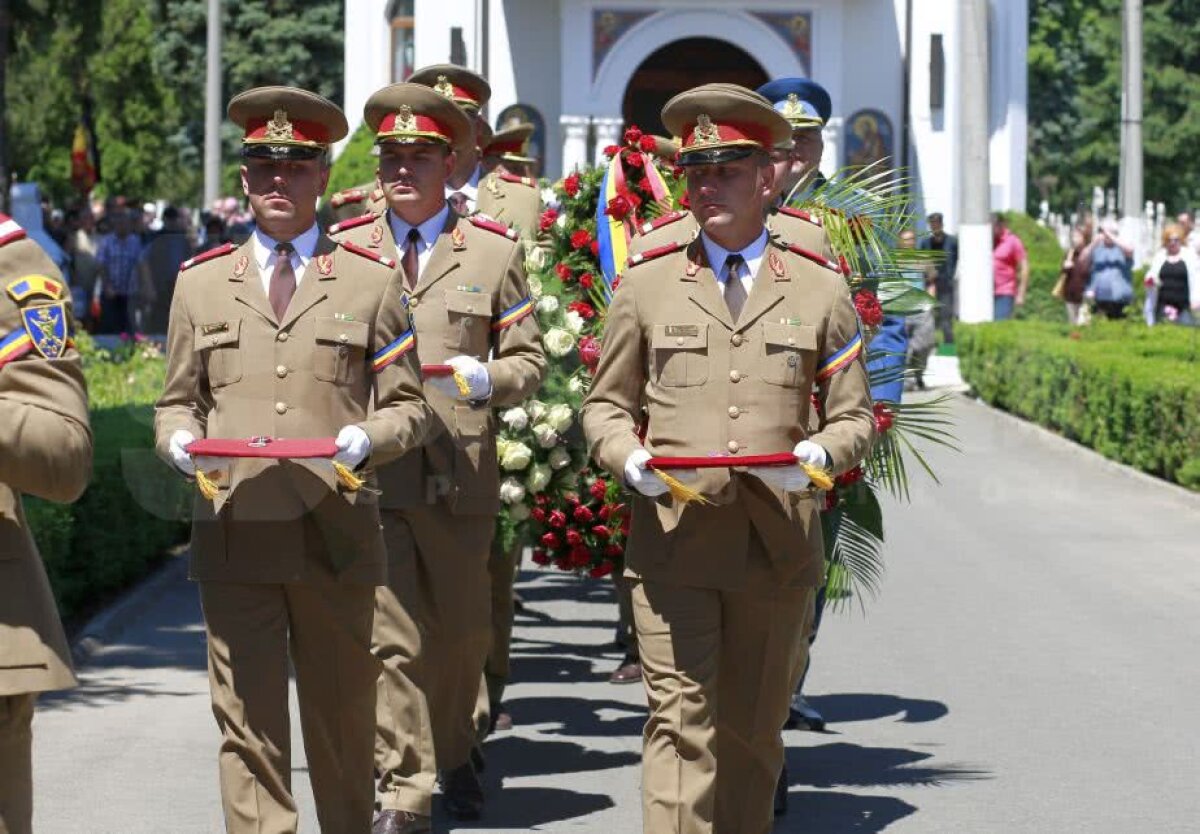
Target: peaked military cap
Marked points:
511	143
802	101
723	122
413	114
467	89
286	122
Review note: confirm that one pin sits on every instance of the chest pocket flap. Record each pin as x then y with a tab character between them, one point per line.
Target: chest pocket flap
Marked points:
794	336
341	349
217	344
789	353
338	332
680	354
217	334
463	303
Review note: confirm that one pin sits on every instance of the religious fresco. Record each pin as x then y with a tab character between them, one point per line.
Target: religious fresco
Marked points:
868	138
796	30
608	26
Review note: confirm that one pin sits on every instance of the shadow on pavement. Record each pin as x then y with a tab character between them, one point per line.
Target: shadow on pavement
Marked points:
852	765
554	669
835	813
580	717
524	808
515	756
863	706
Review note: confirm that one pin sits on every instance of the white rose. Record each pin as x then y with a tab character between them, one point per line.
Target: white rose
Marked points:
547	305
560	417
501	445
538	478
558	342
535	286
518	512
575	322
511	491
559	457
535	258
516	419
576	385
546	436
537	410
516	457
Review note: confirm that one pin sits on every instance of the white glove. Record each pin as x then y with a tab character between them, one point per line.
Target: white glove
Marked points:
473	371
638	477
179	456
353	447
792	478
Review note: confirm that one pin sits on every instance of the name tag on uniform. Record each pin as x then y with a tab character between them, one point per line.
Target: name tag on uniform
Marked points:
683	330
216	327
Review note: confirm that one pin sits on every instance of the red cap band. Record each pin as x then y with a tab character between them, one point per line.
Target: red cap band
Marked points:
303	133
412	125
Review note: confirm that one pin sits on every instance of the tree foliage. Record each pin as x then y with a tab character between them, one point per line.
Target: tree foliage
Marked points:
1075	100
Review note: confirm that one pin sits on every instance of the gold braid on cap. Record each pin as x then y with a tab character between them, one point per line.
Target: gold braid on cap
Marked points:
279	129
706	132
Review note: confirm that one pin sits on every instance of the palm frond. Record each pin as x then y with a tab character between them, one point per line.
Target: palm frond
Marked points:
928	421
854	544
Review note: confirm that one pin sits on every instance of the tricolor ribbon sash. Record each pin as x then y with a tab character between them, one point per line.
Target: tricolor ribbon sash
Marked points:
14	345
832	364
394	351
513	314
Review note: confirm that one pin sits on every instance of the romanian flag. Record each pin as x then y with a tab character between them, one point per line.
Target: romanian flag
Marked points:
394	351
14	346
513	314
83	166
832	364
614	233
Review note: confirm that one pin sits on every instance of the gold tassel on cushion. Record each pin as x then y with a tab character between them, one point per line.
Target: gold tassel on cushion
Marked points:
206	485
461	381
679	490
348	479
819	476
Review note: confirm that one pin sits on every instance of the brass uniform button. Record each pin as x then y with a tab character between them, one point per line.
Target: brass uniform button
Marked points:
791	341
281	371
281	337
735	376
736	339
281	408
734	411
679	340
413	301
733	447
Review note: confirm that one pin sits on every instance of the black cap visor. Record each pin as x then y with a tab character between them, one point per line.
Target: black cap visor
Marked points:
281	152
715	156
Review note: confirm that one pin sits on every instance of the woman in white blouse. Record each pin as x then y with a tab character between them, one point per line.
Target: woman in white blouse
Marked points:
1173	280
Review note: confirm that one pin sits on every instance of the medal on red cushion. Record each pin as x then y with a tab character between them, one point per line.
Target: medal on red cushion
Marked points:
263	447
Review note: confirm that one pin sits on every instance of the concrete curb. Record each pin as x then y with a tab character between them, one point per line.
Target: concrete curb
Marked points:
126	609
1182	494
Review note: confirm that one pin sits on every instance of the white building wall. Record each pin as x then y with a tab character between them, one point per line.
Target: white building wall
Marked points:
368	57
934	133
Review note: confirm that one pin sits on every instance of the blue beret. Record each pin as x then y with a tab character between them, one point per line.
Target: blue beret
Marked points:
803	102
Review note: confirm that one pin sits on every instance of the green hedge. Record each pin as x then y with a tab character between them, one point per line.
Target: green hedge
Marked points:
1130	392
355	165
135	507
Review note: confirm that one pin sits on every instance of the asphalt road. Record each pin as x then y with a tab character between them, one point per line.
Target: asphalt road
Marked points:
1029	666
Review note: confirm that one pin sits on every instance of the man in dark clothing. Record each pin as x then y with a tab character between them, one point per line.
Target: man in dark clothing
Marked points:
158	268
939	241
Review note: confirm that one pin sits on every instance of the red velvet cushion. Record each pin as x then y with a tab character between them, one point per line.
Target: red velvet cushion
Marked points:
263	447
717	461
429	371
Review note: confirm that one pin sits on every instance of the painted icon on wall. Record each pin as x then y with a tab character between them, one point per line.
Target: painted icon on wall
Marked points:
869	138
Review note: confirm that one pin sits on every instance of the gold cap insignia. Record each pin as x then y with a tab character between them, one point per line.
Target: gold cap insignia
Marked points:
792	108
443	87
706	132
406	122
279	129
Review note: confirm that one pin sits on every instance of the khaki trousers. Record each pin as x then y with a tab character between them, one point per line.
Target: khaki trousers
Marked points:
719	669
432	633
502	568
327	626
16	763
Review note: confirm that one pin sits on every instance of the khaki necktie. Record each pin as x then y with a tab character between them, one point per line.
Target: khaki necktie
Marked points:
735	292
410	262
283	280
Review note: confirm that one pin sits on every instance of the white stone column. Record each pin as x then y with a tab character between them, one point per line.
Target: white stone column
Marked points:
975	284
608	132
575	137
831	155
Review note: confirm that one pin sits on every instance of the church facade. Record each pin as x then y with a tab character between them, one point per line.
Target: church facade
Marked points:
581	70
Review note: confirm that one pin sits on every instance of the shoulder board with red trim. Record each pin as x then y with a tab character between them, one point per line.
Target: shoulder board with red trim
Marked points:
527	181
800	213
819	260
367	253
350	195
352	223
215	252
10	230
658	223
482	221
657	252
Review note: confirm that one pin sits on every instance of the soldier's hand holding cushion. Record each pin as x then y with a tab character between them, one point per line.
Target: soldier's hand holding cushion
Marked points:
792	478
479	383
177	446
638	477
353	446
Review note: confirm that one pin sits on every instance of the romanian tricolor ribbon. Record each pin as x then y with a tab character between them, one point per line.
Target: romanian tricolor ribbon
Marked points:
513	314
14	345
614	233
832	364
394	351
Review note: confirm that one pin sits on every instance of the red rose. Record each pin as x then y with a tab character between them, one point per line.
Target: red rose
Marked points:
587	280
589	354
613	551
547	219
581	557
595	247
558	519
549	540
541	499
563	563
571	185
869	311
635	160
538	515
540	557
684	202
647	144
585	310
601	570
583	515
605	512
580	238
616	282
677	171
598	489
574	537
633	135
883	417
563	272
601	532
619	207
612	150
850	478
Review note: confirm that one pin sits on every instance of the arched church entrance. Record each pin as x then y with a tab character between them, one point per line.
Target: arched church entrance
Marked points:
679	66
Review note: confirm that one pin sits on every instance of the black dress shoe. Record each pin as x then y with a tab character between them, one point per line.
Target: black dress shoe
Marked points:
477	758
462	795
802	716
501	719
630	671
781	793
401	822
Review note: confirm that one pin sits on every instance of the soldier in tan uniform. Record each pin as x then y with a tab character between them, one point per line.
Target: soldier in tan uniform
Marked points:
508	152
45	450
355	202
723	340
513	200
470	305
290	335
